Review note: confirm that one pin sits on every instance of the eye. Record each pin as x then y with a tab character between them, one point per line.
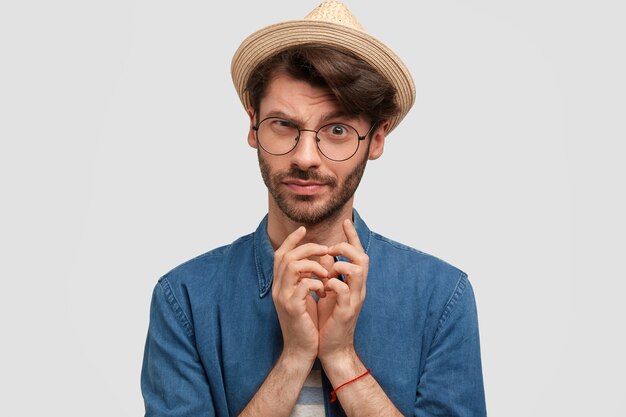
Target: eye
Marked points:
337	130
280	126
277	123
284	123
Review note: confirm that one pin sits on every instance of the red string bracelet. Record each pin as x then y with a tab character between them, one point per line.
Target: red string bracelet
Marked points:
333	393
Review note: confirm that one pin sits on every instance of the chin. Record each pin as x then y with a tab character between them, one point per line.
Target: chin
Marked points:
308	213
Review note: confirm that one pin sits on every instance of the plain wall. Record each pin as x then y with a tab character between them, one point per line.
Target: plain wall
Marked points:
123	154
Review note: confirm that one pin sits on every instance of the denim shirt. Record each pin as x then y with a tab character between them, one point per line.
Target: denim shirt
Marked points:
214	334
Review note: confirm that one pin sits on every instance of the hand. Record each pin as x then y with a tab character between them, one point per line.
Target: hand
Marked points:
339	310
291	287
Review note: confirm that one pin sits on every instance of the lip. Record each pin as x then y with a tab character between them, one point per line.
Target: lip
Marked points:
302	187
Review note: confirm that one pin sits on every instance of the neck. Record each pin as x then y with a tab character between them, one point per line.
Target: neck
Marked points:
327	232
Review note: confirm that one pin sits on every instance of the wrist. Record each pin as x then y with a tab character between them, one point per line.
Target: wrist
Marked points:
342	366
339	357
296	360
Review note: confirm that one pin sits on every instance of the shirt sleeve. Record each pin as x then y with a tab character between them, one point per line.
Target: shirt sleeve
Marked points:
452	381
173	380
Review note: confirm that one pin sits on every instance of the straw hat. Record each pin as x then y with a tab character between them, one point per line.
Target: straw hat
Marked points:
330	23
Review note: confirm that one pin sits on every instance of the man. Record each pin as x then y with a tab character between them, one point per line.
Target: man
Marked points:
313	313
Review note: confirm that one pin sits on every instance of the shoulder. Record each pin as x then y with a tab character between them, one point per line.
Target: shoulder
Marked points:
194	284
412	269
415	260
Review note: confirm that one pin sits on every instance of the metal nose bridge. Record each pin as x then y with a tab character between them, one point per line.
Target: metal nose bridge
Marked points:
317	140
308	130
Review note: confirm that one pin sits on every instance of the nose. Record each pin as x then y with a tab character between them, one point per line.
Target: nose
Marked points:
306	155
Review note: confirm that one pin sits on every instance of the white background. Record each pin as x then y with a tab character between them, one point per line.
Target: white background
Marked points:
123	154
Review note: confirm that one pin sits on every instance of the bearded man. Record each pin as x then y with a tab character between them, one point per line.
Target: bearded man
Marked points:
314	314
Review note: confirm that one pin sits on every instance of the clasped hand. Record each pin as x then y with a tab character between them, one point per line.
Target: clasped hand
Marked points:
324	329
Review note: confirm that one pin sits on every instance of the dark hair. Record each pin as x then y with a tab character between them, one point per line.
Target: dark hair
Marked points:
358	88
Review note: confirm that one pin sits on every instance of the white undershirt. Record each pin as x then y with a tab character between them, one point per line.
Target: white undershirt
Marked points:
310	402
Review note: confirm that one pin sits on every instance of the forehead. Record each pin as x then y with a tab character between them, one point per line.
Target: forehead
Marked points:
300	101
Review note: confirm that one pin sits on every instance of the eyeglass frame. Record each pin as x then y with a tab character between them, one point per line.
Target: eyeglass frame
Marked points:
317	139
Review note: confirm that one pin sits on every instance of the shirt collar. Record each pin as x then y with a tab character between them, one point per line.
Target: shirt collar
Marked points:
264	252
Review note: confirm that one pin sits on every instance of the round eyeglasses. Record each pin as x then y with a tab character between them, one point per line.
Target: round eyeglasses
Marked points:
336	141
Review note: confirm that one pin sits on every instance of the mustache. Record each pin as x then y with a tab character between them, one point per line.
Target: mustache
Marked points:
310	175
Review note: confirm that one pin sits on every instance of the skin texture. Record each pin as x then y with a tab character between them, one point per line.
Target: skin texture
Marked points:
288	204
307	230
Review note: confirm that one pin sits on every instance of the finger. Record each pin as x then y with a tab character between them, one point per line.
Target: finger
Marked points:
327	262
305	251
300	253
347	250
351	234
291	241
342	291
311	275
296	270
346	269
332	272
287	275
354	275
288	244
305	287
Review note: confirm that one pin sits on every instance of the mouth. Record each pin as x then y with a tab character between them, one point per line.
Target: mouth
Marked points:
302	187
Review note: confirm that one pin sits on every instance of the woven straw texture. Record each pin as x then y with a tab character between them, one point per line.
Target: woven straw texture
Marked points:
331	23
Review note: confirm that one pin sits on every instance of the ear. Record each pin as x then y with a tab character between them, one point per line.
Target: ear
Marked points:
377	140
251	133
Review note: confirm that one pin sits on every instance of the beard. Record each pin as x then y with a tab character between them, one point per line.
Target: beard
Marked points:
304	209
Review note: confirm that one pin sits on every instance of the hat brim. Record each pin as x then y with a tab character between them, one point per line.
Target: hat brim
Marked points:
273	39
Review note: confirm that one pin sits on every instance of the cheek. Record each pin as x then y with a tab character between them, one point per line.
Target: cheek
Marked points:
270	164
339	171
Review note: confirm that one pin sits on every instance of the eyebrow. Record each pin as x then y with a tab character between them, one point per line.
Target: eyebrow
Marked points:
325	118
